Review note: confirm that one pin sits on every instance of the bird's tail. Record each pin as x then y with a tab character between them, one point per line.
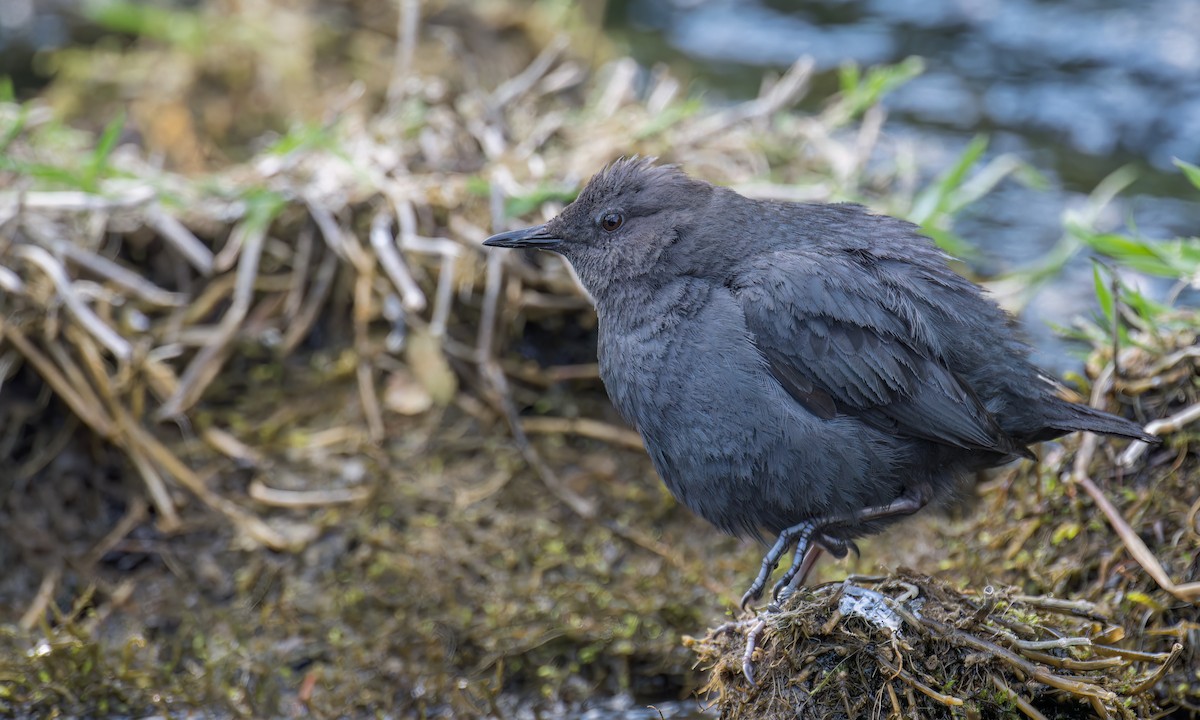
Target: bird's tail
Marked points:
1083	417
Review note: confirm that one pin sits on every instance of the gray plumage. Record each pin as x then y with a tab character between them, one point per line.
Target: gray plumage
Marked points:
811	371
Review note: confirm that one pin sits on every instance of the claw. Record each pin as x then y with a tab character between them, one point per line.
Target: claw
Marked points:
778	587
751	595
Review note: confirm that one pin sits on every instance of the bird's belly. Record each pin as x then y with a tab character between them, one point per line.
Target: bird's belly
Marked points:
725	437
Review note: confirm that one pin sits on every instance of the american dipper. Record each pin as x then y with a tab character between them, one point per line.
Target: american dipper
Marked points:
813	371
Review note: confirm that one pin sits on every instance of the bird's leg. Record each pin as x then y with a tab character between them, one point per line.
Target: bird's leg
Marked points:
802	565
816	529
771	560
909	502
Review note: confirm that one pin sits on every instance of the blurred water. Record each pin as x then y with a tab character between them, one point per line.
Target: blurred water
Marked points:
1101	75
1076	87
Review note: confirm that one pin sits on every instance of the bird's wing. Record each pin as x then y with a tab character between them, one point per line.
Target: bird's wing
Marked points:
841	339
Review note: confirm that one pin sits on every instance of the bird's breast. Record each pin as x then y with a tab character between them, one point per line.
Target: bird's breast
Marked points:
681	367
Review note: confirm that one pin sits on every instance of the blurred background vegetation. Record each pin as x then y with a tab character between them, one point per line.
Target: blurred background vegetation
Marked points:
284	440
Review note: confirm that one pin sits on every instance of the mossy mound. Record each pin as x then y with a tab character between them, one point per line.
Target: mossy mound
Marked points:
1069	590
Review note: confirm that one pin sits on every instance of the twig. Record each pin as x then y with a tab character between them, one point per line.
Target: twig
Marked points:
110	270
231	447
317	295
525	80
109	338
1080	608
294	499
176	234
393	263
372	410
79	201
10	282
406	43
1166	425
443	300
1056	643
254	527
948	700
494	377
1128	654
1152	679
491	301
1187	592
168	520
82	402
1036	672
1072	664
1022	704
492	374
301	264
342	243
545	377
619	88
1170	361
208	361
790	88
585	427
41	600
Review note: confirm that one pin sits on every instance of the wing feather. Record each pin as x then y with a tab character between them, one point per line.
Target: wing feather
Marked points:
840	340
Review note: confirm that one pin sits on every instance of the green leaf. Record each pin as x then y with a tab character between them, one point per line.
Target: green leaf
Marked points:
107	142
1103	293
49	174
520	205
180	27
477	185
950	242
1166	258
860	92
302	137
1143	306
13	131
669	117
1031	177
262	207
1192	172
849	77
932	202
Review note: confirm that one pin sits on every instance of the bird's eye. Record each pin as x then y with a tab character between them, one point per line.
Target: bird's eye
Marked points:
612	222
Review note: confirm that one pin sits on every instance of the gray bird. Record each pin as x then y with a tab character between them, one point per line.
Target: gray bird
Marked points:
810	371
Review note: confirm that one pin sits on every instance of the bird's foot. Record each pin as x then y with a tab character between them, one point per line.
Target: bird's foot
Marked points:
753	629
752	637
808	550
771	560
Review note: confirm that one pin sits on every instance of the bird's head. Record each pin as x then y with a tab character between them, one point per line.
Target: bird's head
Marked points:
623	224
